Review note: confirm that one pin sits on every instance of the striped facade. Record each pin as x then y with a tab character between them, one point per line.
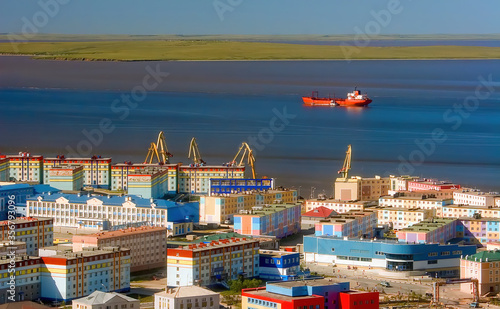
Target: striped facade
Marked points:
400	218
148	184
35	232
120	172
25	167
27	281
279	220
66	275
215	261
195	178
4	169
350	224
96	170
432	231
69	178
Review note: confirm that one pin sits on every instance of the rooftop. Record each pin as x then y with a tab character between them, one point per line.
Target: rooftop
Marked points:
108	200
247	193
415	198
428	225
23	305
261	292
21	220
101	298
484	256
312	282
7	186
122	232
265	210
66	252
276	253
477	192
5	259
186	291
320	212
364	203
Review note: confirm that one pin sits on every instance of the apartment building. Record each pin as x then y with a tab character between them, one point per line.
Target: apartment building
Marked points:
337	205
483	266
431	184
120	172
69	178
211	261
35	232
361	189
473	197
431	231
195	178
27	277
400	218
350	224
147	245
96	170
25	167
435	204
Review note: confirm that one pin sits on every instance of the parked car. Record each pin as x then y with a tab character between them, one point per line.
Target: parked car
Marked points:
474	305
385	283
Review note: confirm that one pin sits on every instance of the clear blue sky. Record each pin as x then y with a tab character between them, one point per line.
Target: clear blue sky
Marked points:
253	16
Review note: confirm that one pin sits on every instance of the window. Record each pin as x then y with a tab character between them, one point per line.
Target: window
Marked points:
432	262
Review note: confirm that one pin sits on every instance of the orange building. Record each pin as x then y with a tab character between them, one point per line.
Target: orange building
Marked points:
485	267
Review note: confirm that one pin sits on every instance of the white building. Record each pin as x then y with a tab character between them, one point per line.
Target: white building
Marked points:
338	205
474	197
435	204
103	300
400	218
186	297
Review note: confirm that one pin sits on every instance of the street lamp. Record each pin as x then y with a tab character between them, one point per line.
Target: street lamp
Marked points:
312	192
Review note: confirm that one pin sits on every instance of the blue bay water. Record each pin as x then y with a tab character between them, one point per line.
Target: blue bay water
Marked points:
45	105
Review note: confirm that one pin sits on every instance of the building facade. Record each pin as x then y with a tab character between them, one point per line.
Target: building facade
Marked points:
12	194
96	170
184	297
431	184
147	244
228	185
120	172
96	212
206	263
338	206
35	232
4	169
483	266
67	275
400	218
431	231
279	265
412	202
435	259
69	178
474	197
25	167
221	208
100	300
359	188
279	220
195	178
27	281
148	183
350	224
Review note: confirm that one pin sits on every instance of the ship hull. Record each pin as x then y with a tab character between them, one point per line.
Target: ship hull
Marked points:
311	101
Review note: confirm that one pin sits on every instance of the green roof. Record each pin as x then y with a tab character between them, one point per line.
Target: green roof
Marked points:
492	256
429	225
268	209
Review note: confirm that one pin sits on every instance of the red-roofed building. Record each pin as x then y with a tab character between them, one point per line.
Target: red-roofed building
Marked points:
310	218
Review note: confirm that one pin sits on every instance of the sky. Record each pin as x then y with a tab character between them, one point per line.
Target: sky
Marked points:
191	17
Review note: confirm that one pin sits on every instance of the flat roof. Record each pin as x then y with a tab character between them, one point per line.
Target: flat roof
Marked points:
125	232
186	291
67	252
341	201
419	198
276	253
310	282
249	193
264	293
269	209
416	209
21	220
428	225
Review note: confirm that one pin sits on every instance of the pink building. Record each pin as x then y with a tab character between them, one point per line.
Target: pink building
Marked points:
430	184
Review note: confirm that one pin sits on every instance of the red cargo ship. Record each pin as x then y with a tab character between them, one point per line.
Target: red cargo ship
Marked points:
354	98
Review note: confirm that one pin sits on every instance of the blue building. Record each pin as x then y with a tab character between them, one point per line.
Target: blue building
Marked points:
230	185
102	212
436	259
12	195
279	265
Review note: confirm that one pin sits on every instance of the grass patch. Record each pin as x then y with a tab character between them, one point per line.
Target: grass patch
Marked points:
232	50
142	298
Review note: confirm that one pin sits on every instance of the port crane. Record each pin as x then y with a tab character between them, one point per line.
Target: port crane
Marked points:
158	150
245	151
194	152
347	163
475	288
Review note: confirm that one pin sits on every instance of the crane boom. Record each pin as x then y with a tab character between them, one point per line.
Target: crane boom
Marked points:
347	163
158	150
247	152
194	152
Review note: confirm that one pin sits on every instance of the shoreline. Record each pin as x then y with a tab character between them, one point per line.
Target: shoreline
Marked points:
36	57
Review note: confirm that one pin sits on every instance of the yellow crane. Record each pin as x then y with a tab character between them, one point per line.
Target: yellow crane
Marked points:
245	151
158	150
347	163
194	152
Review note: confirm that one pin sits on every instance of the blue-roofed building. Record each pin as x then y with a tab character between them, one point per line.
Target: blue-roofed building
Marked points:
103	212
11	195
440	259
279	265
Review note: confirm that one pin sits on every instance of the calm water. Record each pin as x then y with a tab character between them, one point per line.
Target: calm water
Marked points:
45	105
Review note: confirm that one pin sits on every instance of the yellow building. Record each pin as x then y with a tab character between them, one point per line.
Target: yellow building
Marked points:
485	267
221	208
359	188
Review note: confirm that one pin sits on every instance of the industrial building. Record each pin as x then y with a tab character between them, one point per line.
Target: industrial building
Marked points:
215	259
436	259
96	170
35	232
147	245
350	224
279	265
278	220
103	212
68	178
221	208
